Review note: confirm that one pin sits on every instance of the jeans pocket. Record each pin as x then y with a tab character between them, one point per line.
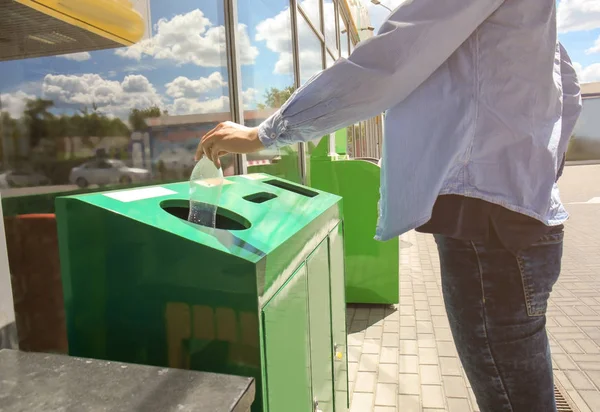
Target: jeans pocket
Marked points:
540	267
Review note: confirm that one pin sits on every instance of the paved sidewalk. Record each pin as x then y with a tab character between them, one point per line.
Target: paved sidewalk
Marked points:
403	358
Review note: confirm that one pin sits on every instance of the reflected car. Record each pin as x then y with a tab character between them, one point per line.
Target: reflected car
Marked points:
22	178
106	172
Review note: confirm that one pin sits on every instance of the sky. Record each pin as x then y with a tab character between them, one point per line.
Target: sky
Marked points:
579	31
182	66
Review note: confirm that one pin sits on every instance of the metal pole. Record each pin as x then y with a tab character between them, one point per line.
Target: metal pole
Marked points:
235	77
297	80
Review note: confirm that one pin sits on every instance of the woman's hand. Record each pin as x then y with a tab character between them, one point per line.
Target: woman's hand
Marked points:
228	137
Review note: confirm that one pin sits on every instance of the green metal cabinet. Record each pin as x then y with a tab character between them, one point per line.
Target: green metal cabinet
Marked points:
372	274
262	295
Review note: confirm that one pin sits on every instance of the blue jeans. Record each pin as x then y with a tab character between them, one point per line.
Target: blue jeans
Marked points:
496	303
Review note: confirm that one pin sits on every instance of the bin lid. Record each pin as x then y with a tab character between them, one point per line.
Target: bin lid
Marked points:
260	212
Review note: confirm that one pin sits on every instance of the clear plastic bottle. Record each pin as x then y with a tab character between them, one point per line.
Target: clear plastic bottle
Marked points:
206	183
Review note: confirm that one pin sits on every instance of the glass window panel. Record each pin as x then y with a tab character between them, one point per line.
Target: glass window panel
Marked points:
329	14
311	62
312	9
269	81
89	98
329	60
310	49
344	41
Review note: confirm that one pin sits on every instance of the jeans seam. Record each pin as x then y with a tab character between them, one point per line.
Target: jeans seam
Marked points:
485	326
526	292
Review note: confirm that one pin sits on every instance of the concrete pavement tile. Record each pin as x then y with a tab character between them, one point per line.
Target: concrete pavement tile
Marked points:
579	401
426	340
362	402
408	347
579	380
408	332
409	403
595	377
428	356
430	375
386	395
447	349
443	334
391	339
354	353
592	398
455	387
368	363
374	332
433	396
389	355
408	364
589	346
388	373
450	366
409	384
385	409
372	346
365	382
458	405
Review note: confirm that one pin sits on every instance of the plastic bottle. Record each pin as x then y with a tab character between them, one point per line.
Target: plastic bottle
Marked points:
206	183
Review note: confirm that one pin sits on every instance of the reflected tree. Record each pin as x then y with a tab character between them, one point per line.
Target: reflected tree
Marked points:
37	116
137	117
275	98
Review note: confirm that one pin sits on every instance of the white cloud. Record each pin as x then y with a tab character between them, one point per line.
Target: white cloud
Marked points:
595	48
109	96
14	103
185	105
249	97
190	38
78	57
578	15
276	34
184	87
588	74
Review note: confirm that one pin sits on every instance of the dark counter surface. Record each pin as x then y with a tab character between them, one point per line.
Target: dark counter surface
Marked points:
39	382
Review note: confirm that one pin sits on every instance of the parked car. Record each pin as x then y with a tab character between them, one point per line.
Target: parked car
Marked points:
105	172
22	178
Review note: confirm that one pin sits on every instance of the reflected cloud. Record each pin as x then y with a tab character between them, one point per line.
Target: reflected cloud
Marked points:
578	15
190	38
184	87
276	34
595	48
589	73
14	103
110	96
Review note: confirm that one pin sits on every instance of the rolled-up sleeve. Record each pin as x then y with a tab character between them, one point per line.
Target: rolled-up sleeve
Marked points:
381	72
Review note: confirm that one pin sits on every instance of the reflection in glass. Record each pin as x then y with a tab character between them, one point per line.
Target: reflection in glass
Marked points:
329	13
311	51
312	9
269	81
329	60
91	112
311	62
344	39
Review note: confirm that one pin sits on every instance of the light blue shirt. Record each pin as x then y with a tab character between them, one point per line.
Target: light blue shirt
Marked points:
481	100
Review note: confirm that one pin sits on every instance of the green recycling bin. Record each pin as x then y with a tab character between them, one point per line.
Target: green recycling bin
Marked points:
262	295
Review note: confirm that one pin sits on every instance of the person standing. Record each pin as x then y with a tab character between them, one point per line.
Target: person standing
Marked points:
480	101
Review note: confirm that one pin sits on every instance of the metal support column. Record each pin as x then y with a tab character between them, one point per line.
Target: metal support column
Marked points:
297	80
234	74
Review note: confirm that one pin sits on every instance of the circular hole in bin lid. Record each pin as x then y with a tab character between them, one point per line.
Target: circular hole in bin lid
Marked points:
225	218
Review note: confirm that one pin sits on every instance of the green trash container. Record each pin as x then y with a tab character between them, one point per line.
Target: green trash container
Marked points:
261	296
